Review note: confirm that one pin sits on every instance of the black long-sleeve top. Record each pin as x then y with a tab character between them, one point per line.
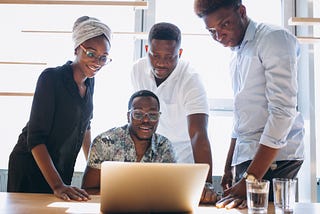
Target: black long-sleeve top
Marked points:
59	118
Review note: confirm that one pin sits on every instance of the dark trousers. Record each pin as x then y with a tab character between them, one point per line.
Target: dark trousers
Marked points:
25	176
279	169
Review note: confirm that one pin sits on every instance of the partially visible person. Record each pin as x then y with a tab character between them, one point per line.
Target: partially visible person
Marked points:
182	95
59	125
267	137
133	142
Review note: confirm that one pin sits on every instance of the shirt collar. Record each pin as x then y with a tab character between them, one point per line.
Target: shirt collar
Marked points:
153	143
248	36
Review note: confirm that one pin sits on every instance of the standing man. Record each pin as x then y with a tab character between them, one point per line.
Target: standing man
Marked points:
267	137
183	99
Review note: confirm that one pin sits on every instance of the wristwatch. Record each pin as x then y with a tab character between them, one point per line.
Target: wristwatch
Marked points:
249	177
209	186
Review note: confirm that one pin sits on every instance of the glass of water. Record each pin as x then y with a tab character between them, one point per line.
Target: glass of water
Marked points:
257	196
284	191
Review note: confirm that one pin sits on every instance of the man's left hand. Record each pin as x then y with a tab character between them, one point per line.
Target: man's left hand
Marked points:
209	196
234	197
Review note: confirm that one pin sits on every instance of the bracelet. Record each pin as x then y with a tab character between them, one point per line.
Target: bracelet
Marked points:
209	185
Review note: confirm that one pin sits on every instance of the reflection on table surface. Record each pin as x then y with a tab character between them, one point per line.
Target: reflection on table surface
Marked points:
47	203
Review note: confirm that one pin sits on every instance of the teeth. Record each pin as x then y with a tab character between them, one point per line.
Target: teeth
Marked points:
94	68
146	128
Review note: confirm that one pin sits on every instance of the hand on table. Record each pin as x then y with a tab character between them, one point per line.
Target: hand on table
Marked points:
68	193
234	197
209	196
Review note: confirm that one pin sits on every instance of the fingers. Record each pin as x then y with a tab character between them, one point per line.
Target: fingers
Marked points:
224	201
243	204
235	203
64	196
82	192
230	202
209	196
73	193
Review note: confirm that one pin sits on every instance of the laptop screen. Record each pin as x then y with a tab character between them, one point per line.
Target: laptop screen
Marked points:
151	187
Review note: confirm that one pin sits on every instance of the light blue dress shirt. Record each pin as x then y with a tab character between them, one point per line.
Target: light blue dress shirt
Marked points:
264	81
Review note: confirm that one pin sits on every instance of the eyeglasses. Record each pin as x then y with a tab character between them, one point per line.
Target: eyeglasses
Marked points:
103	59
165	59
139	115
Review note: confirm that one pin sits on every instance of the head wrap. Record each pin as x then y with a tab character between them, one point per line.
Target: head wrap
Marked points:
86	28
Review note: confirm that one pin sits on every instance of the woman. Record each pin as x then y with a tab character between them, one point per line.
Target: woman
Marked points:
43	159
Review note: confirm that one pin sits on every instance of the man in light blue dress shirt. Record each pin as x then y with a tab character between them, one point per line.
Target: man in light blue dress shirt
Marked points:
267	137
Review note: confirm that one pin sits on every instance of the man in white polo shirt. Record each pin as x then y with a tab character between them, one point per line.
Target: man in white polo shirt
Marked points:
183	98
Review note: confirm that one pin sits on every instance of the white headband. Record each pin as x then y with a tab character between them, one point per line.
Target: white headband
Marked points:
88	27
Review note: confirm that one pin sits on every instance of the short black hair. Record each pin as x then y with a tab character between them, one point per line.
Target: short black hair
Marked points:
165	31
142	93
205	7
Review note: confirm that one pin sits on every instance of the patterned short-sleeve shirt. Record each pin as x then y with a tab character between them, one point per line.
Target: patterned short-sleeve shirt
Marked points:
116	144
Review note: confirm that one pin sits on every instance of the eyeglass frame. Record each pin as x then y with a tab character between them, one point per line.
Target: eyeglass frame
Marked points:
94	56
131	111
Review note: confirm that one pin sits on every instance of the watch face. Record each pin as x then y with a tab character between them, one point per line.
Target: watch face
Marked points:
249	177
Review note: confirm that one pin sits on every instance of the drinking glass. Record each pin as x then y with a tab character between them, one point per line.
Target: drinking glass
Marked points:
284	193
257	196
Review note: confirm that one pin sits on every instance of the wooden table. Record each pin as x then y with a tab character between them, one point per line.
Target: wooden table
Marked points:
19	203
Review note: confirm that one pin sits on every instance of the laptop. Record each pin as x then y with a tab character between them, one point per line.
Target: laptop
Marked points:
151	187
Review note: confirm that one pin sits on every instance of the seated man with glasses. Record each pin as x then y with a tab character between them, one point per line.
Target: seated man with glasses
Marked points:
133	142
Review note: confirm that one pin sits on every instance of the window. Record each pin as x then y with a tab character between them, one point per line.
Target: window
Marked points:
317	91
35	36
40	37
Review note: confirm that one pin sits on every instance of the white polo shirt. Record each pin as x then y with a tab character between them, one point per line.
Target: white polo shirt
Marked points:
180	95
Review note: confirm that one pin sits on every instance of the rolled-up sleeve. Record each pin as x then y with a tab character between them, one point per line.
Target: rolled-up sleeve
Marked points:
279	59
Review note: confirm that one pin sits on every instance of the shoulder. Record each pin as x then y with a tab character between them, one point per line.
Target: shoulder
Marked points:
185	65
56	71
187	75
185	71
272	33
273	41
140	71
112	134
140	63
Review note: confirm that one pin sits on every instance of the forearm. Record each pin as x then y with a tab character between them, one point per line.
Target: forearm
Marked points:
47	168
262	161
202	154
86	143
91	180
228	163
201	148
